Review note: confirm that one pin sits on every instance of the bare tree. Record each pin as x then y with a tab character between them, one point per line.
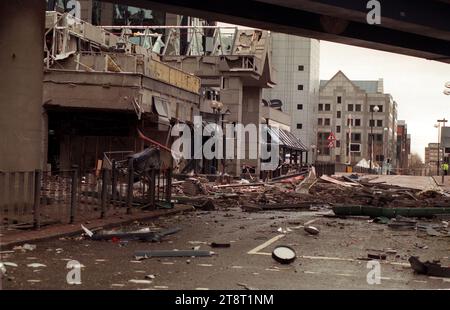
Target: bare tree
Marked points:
416	164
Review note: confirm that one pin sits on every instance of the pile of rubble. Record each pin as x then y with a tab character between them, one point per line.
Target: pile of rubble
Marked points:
305	192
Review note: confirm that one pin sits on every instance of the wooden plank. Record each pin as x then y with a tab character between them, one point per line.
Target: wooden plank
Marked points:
334	181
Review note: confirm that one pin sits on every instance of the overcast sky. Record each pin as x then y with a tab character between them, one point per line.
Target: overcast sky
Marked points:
416	84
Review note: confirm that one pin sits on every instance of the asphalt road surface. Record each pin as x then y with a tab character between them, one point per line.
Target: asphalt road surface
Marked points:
325	261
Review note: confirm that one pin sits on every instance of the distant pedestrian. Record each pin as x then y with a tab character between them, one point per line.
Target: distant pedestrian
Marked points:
445	168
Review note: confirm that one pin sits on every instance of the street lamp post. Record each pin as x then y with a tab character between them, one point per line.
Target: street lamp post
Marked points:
372	121
438	126
385	150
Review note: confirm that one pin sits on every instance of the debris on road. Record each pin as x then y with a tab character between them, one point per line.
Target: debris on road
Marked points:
429	268
144	234
381	220
10	264
376	256
2	270
220	245
311	230
284	254
137	281
25	247
207	205
247	287
359	210
284	231
36	265
347	194
139	255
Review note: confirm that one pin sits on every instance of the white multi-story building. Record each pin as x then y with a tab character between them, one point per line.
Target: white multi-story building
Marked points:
295	61
361	117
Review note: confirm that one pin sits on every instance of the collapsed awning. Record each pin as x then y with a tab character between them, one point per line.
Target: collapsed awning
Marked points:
287	139
210	128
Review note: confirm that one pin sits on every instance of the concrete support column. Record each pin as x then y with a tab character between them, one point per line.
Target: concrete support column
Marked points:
21	61
251	115
231	96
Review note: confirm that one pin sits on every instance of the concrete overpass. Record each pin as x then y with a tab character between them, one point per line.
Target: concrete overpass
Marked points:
418	28
412	27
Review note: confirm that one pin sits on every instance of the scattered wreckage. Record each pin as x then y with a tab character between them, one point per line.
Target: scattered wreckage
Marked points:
346	195
144	234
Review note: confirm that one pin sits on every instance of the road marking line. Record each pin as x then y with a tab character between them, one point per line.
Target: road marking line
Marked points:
265	245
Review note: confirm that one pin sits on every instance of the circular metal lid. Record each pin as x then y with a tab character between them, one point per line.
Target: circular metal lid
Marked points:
284	254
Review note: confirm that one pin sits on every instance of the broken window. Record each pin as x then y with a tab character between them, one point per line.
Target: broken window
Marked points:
161	107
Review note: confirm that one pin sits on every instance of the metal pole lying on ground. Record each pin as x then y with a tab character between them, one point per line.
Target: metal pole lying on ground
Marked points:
130	185
105	174
73	197
37	199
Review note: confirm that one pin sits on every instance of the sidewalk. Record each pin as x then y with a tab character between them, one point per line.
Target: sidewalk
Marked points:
446	185
62	230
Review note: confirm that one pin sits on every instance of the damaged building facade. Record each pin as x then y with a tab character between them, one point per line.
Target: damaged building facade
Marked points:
117	87
235	66
99	89
230	69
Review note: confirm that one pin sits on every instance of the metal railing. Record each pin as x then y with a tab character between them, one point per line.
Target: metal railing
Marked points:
332	168
33	199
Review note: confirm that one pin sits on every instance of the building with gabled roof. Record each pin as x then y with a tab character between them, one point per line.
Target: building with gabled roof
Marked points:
346	111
